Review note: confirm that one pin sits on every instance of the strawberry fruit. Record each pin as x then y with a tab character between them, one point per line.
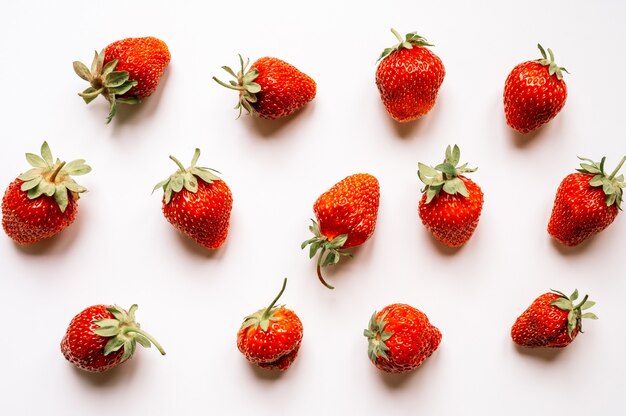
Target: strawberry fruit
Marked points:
586	202
43	201
552	320
451	205
400	337
408	77
534	93
270	338
271	89
346	217
197	203
102	337
126	71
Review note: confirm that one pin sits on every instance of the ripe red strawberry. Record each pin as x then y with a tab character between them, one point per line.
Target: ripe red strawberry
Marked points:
43	201
552	321
400	338
102	337
126	71
451	205
586	202
271	337
534	93
346	217
197	203
271	89
408	77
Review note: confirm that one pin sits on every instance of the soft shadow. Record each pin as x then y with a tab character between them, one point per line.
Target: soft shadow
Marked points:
396	381
135	113
111	377
265	374
572	251
194	248
544	354
272	128
524	140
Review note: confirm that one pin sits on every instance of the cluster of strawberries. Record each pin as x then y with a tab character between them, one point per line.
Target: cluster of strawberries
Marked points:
42	202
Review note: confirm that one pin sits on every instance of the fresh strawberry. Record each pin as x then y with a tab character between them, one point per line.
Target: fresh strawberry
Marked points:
408	77
534	93
346	217
197	203
43	201
400	338
126	71
586	202
552	320
451	205
271	89
102	337
271	337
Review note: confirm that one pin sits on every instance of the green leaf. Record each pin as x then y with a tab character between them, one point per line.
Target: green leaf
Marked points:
82	71
36	160
90	94
160	184
588	304
103	323
190	183
230	71
115	79
60	196
113	345
426	170
206	176
446	168
109	67
177	183
112	108
431	193
47	188
589	315
340	240
108	331
74	187
250	76
143	341
34	193
253	87
31	183
47	154
589	168
123	89
456	155
597	180
562	304
78	170
315	245
30	175
574	295
168	194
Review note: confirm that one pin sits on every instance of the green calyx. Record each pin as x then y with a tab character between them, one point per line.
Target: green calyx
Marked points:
376	337
52	177
611	184
329	250
263	317
444	176
245	85
410	40
105	80
125	332
575	315
186	177
553	68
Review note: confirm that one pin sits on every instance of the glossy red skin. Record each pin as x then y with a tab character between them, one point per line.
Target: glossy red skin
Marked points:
452	219
542	325
278	347
145	59
284	88
408	81
204	215
532	97
349	207
414	338
28	221
580	210
84	348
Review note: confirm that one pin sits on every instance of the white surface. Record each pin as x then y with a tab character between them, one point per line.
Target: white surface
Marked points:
121	249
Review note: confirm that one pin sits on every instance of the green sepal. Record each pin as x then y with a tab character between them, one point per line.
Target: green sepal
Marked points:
244	84
263	317
553	68
612	185
410	40
376	337
186	178
106	81
444	176
329	250
574	316
52	177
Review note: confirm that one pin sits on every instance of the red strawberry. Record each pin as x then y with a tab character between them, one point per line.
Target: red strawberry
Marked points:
408	77
586	203
126	71
43	201
101	337
534	93
552	320
271	89
271	337
346	217
197	203
400	338
451	205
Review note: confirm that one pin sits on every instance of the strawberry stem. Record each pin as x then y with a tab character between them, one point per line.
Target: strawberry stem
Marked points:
146	335
319	275
268	311
180	165
617	168
54	174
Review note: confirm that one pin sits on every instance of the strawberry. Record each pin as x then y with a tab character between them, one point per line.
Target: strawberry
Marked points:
126	71
197	203
552	321
451	205
43	201
102	337
270	338
271	89
586	202
400	338
346	217
534	93
408	77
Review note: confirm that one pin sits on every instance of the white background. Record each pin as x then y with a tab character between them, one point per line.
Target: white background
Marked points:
121	249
